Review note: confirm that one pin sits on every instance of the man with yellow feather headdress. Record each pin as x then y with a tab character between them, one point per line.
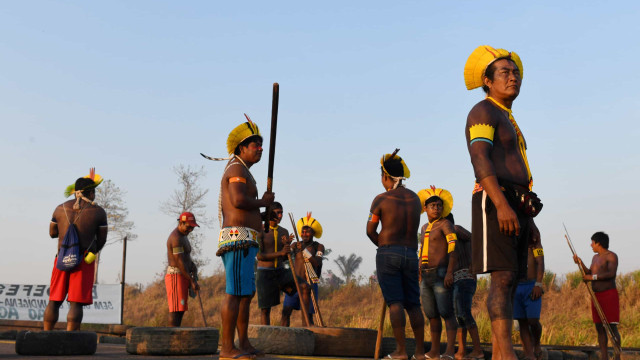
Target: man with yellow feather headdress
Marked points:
438	259
503	205
308	267
240	231
90	221
398	208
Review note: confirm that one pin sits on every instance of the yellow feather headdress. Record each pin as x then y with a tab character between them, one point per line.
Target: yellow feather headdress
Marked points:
406	173
444	195
241	133
97	180
480	59
310	222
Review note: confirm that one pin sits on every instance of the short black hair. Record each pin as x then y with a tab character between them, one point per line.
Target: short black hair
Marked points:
601	238
246	142
491	69
394	167
86	185
433	199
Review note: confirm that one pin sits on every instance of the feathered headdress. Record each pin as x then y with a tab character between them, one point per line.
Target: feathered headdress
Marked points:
71	189
480	59
239	134
444	195
310	222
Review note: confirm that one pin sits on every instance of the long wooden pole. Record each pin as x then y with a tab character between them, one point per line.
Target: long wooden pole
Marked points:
295	279
316	308
204	319
383	311
122	283
272	148
614	339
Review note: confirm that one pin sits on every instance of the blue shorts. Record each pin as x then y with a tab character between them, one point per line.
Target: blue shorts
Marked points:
293	301
437	300
397	270
239	270
523	306
463	291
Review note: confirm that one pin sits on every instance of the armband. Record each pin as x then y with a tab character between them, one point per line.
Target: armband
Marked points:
319	253
53	221
306	254
451	242
481	132
373	218
538	252
594	276
178	250
237	179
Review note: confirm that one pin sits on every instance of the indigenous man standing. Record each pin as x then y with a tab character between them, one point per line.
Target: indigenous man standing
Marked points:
528	302
464	287
503	206
90	221
602	275
272	277
396	260
181	272
438	259
239	236
308	268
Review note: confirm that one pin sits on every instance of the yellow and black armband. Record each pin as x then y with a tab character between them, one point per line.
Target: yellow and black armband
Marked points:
451	242
481	132
178	250
538	252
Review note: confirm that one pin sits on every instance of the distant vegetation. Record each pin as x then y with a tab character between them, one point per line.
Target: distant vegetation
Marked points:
566	313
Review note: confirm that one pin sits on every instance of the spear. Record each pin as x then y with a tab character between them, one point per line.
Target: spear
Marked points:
614	339
272	147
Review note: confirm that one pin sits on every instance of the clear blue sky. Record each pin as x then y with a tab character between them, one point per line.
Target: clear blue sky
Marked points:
135	88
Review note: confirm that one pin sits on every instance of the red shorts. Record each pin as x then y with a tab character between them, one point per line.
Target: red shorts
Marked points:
177	292
610	304
75	285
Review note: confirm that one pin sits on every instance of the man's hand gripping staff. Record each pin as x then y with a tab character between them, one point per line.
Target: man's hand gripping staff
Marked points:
616	348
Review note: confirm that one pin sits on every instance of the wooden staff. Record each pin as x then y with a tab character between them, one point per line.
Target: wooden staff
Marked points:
202	310
313	297
272	148
614	339
376	355
295	279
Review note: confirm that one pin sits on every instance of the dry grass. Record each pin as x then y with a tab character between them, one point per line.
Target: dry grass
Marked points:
566	314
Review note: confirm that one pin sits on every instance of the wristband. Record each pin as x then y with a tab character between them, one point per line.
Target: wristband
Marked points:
594	276
538	284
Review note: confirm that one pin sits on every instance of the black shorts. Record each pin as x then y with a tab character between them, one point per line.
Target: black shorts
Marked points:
269	283
492	250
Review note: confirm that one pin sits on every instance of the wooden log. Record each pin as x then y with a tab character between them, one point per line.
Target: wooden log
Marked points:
172	341
55	343
339	341
281	340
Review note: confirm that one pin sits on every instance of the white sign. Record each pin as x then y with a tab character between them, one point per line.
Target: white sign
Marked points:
27	302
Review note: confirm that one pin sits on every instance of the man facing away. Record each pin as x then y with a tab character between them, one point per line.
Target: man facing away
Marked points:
90	221
272	277
527	302
438	259
239	235
308	268
398	208
602	275
503	206
181	272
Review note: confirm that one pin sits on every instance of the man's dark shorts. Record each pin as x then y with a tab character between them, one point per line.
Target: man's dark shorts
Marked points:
397	270
491	249
270	282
